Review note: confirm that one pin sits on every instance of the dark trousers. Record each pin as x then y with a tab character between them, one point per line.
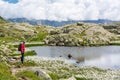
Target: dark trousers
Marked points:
22	57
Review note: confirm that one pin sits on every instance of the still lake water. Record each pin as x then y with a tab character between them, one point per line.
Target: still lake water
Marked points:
107	57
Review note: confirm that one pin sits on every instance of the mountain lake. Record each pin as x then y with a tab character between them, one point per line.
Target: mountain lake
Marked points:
106	57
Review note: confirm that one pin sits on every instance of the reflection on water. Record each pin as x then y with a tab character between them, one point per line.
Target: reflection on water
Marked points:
103	57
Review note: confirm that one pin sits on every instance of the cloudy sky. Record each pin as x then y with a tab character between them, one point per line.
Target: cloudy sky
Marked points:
61	9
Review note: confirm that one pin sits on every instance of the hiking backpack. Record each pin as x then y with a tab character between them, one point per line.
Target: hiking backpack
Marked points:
19	47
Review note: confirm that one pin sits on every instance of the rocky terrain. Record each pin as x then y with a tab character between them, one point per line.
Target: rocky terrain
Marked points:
16	32
79	34
113	27
36	68
64	71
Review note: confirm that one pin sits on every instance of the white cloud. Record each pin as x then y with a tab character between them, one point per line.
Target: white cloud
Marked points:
62	9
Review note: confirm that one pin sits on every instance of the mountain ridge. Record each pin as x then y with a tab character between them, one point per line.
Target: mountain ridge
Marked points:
57	23
2	20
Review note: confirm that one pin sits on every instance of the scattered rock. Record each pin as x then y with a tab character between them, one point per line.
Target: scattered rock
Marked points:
24	78
39	72
69	56
80	59
80	24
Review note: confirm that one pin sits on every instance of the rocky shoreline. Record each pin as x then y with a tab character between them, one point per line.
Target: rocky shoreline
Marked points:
57	69
66	71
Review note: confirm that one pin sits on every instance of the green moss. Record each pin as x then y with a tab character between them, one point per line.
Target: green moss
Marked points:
28	74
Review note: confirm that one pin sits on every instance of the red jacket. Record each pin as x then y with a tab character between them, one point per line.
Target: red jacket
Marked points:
22	47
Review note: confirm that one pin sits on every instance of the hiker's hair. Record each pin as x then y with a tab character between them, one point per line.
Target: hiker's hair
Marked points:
23	41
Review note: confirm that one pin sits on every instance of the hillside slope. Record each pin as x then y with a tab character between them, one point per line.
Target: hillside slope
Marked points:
77	34
2	20
16	32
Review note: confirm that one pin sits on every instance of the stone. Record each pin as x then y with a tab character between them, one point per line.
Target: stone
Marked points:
39	72
69	56
80	24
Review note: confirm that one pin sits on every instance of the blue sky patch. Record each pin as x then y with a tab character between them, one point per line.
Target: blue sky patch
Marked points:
11	1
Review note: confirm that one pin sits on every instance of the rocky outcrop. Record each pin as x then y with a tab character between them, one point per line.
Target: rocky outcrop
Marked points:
79	34
40	73
63	40
113	27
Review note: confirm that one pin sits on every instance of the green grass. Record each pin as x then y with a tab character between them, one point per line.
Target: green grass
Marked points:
80	35
59	75
40	36
83	79
31	44
28	74
98	44
54	76
5	73
27	63
28	53
115	43
7	39
98	69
